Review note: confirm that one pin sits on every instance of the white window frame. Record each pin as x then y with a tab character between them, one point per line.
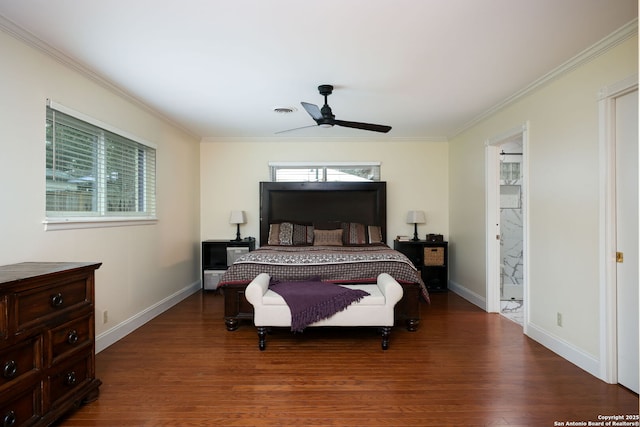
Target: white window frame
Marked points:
274	166
100	218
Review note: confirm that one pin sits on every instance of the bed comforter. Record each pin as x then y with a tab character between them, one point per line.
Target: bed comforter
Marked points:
336	264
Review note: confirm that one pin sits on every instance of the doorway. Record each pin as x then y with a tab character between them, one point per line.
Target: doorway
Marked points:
506	224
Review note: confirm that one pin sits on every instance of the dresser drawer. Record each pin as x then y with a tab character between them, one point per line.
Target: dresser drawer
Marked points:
20	361
36	306
68	377
70	337
22	408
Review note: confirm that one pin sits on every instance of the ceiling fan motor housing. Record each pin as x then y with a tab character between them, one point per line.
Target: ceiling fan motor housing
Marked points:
327	113
325	90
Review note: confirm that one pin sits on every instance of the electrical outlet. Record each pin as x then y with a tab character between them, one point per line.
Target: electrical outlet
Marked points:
559	319
105	316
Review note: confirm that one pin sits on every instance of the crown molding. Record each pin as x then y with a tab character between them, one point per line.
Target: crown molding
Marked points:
615	38
31	40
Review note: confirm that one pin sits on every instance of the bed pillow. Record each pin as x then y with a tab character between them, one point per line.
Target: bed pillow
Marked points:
274	234
281	234
302	234
327	237
374	233
354	233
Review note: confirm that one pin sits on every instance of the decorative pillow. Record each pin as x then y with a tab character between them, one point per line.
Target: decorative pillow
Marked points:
327	237
274	234
375	234
354	233
302	234
281	234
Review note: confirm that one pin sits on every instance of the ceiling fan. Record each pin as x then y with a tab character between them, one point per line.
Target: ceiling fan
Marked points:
324	117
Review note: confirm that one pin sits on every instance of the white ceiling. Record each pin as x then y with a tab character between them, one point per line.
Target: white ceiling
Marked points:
219	68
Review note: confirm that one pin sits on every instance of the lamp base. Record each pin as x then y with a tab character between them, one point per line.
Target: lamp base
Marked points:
415	232
238	234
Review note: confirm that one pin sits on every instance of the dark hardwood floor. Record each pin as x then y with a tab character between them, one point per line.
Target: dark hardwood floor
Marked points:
463	367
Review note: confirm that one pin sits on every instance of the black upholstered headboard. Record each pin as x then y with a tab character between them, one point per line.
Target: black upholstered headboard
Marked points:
304	202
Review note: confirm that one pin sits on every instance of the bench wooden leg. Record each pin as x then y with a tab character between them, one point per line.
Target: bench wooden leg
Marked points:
412	324
262	336
386	331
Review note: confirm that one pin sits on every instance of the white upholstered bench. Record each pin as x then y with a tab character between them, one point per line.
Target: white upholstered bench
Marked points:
375	309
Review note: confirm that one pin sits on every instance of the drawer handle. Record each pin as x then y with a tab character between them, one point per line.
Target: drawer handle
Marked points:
70	379
9	419
10	369
57	300
72	337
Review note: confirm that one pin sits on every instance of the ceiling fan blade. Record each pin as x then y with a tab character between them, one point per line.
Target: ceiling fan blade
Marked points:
364	126
313	110
303	127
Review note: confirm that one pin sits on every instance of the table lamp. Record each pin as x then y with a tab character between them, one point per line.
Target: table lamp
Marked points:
415	218
237	217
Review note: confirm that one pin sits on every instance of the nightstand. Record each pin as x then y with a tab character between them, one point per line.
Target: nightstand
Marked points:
430	258
218	255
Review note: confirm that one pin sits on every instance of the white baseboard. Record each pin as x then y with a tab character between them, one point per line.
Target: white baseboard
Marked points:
565	350
123	329
465	293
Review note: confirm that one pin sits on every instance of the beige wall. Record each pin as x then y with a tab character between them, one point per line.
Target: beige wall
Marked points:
415	171
142	265
563	161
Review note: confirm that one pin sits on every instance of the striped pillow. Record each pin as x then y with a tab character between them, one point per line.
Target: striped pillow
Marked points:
354	233
302	234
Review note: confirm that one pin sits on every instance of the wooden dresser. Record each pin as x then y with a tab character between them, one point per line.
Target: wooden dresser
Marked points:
47	341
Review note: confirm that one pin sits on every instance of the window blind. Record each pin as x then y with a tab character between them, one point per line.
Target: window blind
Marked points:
95	172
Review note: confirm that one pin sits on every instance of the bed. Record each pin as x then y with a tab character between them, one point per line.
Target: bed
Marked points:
335	231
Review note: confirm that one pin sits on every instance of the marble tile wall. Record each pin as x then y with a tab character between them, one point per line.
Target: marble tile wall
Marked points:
511	222
511	246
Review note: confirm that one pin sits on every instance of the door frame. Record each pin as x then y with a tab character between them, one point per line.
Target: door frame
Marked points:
607	229
492	215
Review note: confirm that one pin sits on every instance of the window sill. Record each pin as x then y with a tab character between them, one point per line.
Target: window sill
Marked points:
53	224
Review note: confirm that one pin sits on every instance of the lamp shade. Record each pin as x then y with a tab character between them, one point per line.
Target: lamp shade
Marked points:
237	217
416	217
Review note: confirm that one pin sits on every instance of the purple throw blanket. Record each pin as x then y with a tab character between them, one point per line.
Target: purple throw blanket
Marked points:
314	300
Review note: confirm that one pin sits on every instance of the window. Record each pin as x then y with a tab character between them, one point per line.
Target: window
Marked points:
509	171
95	174
318	172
